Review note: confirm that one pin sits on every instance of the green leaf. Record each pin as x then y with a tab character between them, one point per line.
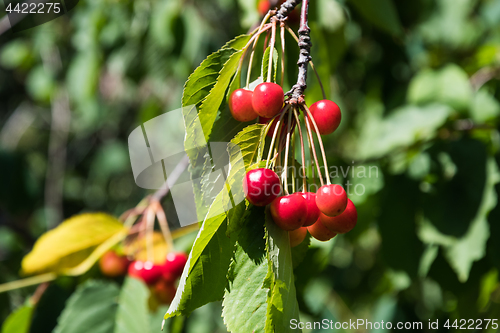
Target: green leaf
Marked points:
265	64
299	252
205	88
132	315
484	107
459	186
15	54
208	83
462	252
83	76
91	308
204	77
449	85
402	128
204	277
381	13
70	243
282	302
210	105
244	305
251	142
18	321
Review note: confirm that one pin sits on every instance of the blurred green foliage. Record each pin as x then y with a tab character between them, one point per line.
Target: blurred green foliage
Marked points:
418	85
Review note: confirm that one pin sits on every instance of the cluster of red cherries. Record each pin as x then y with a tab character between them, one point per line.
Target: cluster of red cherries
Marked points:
162	278
324	214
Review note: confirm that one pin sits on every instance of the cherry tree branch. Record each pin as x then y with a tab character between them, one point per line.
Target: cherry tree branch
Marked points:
286	8
297	91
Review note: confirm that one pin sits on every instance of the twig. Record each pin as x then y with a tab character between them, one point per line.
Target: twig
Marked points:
482	76
282	35
321	147
31	281
286	8
297	91
271	52
302	152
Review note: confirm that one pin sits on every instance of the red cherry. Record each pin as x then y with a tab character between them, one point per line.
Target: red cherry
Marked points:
320	232
174	265
145	271
327	116
312	209
331	199
164	291
267	99
113	265
261	186
263	7
289	212
240	105
343	223
297	236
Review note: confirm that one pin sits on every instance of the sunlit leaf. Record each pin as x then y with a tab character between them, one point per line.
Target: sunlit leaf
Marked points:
70	243
18	321
244	305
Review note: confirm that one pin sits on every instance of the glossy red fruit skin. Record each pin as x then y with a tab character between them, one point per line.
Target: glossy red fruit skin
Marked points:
164	291
240	105
174	265
289	211
297	236
331	199
145	271
113	265
312	209
267	99
327	116
343	223
320	232
261	186
263	7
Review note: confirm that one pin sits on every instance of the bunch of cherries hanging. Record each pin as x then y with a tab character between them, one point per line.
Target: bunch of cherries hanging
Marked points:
323	214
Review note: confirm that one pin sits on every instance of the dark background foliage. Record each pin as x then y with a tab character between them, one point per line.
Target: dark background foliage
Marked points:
418	85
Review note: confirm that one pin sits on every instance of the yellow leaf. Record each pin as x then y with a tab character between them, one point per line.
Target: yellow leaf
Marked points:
70	243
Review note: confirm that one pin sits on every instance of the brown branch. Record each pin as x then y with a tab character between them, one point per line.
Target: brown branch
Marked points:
286	8
297	91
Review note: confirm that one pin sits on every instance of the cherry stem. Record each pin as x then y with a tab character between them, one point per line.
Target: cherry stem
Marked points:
302	151
282	33
162	221
322	148
313	148
276	130
150	223
287	148
293	158
254	34
271	52
255	39
319	80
